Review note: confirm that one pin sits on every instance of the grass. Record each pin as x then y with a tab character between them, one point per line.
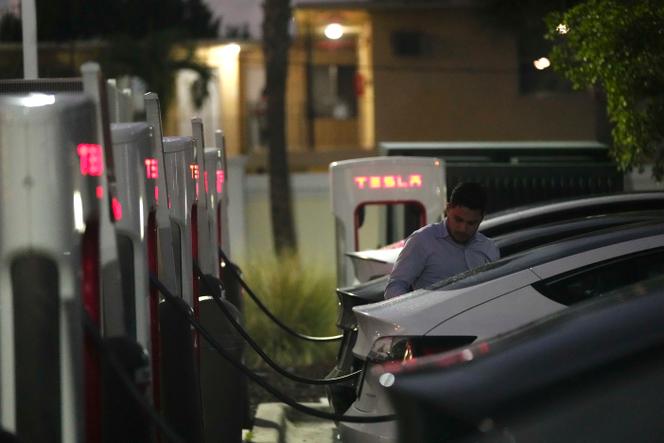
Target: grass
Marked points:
302	296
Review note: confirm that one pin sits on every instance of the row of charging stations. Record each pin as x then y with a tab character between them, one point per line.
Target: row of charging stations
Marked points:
92	204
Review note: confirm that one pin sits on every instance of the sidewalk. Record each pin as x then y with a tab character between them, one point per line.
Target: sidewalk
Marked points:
279	423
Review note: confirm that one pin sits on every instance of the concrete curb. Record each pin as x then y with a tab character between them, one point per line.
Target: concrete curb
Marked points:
279	423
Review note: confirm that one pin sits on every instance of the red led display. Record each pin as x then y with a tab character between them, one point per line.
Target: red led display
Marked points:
91	159
205	180
100	192
195	174
156	194
388	181
220	180
116	206
151	168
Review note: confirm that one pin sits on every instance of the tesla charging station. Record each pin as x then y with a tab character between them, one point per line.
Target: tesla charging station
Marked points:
223	232
214	176
132	146
181	180
416	183
43	243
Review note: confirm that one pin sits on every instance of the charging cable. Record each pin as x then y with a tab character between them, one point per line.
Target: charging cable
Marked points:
170	298
236	272
109	357
216	296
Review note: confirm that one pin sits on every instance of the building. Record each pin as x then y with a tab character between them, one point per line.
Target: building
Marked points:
405	70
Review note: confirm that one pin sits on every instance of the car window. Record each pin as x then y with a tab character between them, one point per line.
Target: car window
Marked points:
600	278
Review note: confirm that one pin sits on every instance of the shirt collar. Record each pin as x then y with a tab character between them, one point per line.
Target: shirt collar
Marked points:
442	232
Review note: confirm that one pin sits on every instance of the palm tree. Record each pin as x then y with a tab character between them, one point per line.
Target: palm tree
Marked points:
276	42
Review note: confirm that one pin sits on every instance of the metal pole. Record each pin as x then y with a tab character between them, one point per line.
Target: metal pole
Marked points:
29	22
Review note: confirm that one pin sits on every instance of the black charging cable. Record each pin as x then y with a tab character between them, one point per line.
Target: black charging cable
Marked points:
236	272
170	298
108	356
216	296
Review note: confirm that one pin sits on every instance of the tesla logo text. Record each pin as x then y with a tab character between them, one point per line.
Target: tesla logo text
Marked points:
220	180
388	181
91	159
151	168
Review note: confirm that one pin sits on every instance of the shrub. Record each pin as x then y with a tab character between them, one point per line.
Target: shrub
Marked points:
303	297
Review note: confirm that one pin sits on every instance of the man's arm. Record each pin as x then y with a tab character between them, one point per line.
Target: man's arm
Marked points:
407	268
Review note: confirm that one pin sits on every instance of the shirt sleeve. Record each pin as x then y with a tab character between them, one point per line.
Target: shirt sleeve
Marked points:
407	268
494	251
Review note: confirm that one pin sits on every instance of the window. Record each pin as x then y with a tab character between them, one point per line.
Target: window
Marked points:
334	92
598	279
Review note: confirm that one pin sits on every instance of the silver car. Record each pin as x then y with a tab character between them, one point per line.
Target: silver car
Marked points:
490	300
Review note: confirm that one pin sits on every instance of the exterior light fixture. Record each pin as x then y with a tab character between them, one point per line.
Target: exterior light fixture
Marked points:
541	63
334	31
562	29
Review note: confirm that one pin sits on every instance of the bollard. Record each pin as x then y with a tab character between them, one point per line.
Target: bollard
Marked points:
232	287
233	291
124	419
224	392
180	388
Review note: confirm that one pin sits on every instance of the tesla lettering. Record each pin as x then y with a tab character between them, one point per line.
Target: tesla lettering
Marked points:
388	181
91	159
151	168
194	171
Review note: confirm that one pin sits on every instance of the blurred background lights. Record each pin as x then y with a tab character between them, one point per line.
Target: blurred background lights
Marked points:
562	29
334	31
35	100
542	63
231	50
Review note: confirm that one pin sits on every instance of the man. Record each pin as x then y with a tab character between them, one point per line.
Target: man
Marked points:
441	250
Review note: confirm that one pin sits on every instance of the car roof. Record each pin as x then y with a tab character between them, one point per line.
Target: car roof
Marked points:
525	216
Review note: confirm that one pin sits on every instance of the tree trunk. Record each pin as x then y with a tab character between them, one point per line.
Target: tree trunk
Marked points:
276	41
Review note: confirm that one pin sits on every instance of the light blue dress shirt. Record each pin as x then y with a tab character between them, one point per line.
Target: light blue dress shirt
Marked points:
430	255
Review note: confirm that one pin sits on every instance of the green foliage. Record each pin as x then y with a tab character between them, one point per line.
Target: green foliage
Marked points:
66	20
156	58
300	295
618	48
146	38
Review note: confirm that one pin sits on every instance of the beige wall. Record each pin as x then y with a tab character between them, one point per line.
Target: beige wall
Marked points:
466	88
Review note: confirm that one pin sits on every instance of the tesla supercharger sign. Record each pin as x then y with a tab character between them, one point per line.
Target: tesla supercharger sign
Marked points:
381	180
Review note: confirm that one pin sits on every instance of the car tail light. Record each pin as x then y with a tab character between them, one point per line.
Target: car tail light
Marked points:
153	266
92	305
403	349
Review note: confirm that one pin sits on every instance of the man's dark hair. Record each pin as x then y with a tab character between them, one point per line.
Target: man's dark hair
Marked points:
470	195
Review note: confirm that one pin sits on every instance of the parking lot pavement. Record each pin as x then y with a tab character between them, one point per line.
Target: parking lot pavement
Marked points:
278	422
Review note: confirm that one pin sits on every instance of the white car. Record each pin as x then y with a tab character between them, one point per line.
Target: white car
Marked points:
490	300
373	263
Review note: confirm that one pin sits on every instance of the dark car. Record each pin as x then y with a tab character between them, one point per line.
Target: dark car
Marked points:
590	373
